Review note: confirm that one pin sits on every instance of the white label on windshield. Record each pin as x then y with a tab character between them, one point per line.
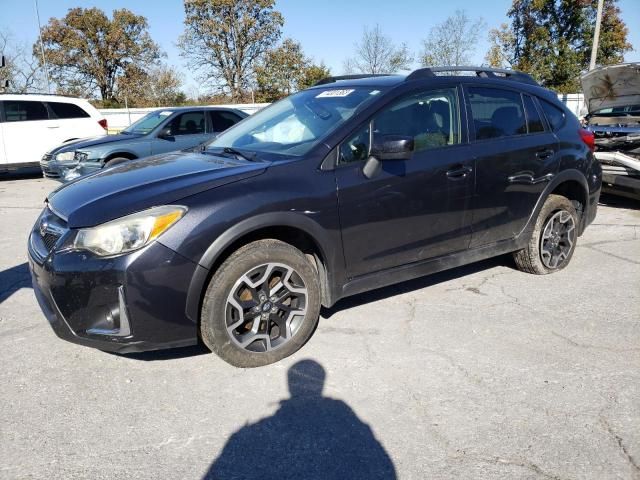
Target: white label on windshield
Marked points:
165	113
335	93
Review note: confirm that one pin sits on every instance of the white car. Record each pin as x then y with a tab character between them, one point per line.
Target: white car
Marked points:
31	125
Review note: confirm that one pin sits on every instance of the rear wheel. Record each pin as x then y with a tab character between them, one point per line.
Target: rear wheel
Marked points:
553	240
261	305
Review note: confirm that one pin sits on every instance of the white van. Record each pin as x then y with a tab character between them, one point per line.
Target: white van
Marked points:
31	125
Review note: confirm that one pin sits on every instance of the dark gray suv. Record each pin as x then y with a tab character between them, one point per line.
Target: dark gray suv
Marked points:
348	186
163	130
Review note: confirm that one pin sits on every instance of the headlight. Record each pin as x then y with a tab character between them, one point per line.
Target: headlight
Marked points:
128	233
65	156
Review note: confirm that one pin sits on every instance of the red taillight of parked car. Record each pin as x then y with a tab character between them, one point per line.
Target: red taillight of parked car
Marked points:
103	123
588	138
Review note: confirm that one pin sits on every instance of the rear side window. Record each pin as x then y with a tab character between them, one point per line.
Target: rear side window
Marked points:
223	120
496	113
23	111
555	116
534	122
67	110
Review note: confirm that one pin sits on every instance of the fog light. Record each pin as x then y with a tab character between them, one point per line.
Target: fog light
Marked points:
117	322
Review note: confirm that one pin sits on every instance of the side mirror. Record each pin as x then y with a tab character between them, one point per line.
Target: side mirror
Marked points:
165	133
392	147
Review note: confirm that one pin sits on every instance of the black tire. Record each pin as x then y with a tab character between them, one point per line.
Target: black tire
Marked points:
116	161
218	312
535	257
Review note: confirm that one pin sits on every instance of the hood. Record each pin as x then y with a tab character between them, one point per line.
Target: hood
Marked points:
140	184
613	86
92	142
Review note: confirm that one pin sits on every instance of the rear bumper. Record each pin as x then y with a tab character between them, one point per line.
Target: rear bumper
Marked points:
126	304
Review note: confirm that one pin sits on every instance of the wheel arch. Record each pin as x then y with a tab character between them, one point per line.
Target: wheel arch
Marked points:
571	184
120	154
294	229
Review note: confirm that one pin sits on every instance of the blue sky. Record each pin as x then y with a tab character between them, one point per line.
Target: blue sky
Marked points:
327	29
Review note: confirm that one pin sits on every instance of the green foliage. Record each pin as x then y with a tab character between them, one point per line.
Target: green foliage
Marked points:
285	70
224	39
551	39
86	50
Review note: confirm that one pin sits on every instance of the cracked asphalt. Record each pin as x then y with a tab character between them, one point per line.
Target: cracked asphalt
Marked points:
480	372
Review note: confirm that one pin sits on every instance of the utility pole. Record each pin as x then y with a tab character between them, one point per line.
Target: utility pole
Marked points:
596	36
44	60
5	83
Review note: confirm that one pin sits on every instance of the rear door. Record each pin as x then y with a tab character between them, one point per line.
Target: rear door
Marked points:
413	209
73	121
28	131
515	158
188	129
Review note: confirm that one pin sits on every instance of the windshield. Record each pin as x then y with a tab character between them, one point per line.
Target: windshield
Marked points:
147	123
617	111
294	125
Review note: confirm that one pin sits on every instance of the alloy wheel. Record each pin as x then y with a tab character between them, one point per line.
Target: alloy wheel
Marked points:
557	240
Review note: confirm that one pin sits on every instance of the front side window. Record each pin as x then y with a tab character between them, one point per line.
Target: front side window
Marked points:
294	125
23	111
430	117
189	123
67	110
496	113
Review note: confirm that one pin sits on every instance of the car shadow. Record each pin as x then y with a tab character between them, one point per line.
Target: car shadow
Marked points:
166	354
416	284
616	201
14	279
310	437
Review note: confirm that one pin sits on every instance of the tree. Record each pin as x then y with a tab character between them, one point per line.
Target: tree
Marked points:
376	53
87	51
157	87
285	70
23	69
452	42
551	39
224	39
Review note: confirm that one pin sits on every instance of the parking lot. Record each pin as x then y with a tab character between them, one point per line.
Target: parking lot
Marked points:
478	372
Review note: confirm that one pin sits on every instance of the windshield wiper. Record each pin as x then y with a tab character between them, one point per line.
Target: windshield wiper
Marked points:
238	153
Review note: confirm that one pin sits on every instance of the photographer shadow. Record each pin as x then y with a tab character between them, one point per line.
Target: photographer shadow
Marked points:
310	436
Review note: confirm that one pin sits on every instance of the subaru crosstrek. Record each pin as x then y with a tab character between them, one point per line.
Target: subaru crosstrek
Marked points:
351	185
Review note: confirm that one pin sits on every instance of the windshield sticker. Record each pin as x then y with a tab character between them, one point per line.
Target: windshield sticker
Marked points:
164	114
335	93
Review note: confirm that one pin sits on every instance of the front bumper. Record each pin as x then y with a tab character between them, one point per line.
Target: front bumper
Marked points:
67	171
124	304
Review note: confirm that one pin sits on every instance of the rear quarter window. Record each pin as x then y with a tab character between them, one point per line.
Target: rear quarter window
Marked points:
67	110
555	116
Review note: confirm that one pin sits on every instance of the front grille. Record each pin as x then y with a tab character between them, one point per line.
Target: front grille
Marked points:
50	240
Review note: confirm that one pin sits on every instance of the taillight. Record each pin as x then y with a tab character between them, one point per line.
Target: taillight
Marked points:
588	138
103	123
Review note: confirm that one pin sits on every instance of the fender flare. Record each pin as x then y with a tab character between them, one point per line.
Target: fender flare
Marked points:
557	180
332	261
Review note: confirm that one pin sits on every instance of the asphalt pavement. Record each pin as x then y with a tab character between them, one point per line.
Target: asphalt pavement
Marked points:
479	372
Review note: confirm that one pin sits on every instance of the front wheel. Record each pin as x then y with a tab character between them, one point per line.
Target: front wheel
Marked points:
261	305
553	240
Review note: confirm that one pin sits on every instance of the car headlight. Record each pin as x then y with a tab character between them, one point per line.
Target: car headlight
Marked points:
128	233
65	156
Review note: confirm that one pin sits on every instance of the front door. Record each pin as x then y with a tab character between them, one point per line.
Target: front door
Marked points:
516	157
413	209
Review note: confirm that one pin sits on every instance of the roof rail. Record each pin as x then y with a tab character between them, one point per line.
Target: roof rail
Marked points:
484	72
44	94
326	80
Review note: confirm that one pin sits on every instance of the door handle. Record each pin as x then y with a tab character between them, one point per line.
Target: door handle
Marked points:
459	172
544	154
